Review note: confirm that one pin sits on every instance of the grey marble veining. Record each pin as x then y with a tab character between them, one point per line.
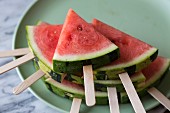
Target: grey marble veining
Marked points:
10	13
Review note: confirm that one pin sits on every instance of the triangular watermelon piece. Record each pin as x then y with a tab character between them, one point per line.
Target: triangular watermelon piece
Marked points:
155	70
134	53
153	73
80	44
43	39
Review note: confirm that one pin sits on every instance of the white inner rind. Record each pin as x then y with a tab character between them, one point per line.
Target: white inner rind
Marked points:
158	74
35	48
139	77
135	61
79	57
153	79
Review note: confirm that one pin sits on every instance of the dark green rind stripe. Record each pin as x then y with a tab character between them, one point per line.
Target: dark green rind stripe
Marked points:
100	100
131	69
68	95
154	56
112	74
123	97
77	66
100	85
56	76
74	79
119	87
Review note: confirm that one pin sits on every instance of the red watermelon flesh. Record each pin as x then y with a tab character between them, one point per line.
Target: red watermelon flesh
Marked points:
155	67
129	46
154	71
46	37
79	37
72	85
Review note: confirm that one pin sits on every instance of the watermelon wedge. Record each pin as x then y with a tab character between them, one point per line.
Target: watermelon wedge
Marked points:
100	85
45	27
134	54
71	90
153	73
42	40
80	44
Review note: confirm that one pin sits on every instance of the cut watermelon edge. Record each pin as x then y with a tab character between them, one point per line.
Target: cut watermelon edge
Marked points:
138	62
158	75
153	81
103	84
70	92
87	56
139	77
33	47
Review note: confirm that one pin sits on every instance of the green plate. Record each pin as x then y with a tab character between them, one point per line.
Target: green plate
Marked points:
148	20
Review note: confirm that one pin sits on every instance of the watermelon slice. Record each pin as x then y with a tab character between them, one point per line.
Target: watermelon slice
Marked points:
70	90
80	44
43	39
100	85
153	73
41	54
137	78
134	54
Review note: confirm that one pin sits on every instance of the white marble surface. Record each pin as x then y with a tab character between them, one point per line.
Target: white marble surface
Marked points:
10	12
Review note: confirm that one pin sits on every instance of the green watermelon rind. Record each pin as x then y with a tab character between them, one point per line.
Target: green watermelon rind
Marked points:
34	48
101	97
106	56
142	90
100	85
87	56
70	92
132	66
157	75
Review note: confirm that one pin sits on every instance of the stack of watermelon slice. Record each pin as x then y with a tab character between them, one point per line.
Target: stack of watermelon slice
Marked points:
62	50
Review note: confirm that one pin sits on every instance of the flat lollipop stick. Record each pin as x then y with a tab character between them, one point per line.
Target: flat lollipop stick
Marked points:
113	100
75	107
160	97
16	52
28	82
89	85
131	92
16	63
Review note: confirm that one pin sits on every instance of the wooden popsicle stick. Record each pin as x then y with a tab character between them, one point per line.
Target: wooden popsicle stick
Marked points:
113	100
16	63
160	97
28	82
132	94
16	52
75	107
89	85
